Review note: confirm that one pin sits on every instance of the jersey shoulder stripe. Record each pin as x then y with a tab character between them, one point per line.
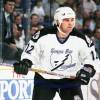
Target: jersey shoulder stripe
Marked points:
44	31
53	30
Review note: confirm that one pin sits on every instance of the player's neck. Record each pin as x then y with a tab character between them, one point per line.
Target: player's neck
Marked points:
62	35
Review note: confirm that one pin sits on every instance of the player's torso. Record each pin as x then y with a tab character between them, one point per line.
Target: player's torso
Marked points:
54	53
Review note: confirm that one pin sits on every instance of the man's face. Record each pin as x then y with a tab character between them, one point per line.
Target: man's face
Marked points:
18	20
9	7
97	33
67	25
35	20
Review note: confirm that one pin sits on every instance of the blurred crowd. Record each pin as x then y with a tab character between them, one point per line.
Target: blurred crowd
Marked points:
22	18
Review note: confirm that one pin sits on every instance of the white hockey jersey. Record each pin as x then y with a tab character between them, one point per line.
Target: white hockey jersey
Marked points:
65	58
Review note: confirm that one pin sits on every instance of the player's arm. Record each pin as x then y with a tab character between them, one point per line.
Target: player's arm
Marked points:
22	66
27	56
25	63
88	71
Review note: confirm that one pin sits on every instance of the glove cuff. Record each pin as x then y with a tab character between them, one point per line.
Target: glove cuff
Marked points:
89	68
27	62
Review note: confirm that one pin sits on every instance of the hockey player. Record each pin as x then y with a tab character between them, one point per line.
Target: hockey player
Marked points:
62	53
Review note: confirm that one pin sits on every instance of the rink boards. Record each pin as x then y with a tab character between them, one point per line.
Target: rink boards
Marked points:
20	87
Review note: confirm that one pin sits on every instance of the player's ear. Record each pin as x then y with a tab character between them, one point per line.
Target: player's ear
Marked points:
57	23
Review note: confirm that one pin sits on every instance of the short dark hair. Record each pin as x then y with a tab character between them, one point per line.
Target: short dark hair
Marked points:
5	1
34	14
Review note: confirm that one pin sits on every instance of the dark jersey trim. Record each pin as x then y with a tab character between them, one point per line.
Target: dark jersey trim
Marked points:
53	30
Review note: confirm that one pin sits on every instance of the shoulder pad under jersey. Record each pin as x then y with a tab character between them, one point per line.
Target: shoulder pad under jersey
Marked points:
79	34
44	31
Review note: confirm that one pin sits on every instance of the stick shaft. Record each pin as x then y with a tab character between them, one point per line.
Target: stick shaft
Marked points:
10	67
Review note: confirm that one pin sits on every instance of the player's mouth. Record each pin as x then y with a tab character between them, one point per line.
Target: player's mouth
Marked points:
70	27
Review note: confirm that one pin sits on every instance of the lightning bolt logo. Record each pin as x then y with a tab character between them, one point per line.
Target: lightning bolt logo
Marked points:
63	61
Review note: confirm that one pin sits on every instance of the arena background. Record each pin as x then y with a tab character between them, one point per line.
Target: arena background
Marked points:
20	87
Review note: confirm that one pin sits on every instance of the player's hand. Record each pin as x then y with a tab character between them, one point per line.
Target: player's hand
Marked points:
21	67
84	74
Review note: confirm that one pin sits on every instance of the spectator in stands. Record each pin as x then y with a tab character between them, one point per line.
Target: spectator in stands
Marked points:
18	31
8	43
50	8
89	6
19	37
32	3
88	23
9	49
22	6
21	21
79	19
35	25
7	17
38	9
97	16
70	3
18	5
97	39
18	20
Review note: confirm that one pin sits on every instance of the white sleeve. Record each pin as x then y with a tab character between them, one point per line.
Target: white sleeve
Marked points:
31	52
97	65
85	54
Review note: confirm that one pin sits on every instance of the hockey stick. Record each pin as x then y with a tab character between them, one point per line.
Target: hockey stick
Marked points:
10	67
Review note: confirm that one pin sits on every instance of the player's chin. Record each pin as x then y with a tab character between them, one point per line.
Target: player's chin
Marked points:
69	30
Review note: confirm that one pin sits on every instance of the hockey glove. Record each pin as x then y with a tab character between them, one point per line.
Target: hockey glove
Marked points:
21	67
84	74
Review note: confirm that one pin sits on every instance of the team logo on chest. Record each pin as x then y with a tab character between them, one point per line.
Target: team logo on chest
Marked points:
60	59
